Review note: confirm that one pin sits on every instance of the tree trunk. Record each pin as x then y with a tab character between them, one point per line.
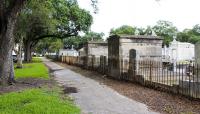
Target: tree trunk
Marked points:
12	75
9	11
27	51
19	56
6	46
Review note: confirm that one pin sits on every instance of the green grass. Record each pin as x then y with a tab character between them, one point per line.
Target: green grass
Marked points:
36	60
36	101
36	69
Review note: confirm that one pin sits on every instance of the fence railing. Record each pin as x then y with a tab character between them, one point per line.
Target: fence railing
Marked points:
177	78
91	63
181	79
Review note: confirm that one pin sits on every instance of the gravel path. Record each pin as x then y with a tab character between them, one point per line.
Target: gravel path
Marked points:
94	98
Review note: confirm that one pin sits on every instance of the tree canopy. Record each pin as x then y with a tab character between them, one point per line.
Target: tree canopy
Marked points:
190	35
165	29
63	18
48	45
50	18
79	41
125	29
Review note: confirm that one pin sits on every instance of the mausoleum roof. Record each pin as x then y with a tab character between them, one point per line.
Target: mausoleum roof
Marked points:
137	37
97	42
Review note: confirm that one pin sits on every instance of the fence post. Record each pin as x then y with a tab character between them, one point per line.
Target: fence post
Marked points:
68	60
132	65
150	71
101	64
85	62
92	62
77	60
62	58
104	64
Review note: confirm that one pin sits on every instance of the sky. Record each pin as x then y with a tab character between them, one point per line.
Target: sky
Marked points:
142	13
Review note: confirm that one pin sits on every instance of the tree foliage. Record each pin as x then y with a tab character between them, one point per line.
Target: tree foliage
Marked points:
9	12
125	29
79	41
190	35
166	30
52	19
48	45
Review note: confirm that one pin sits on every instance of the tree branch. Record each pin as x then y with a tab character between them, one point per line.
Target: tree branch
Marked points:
2	8
34	43
54	36
14	8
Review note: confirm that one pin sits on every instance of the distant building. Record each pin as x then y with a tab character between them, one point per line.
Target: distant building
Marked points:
68	52
147	47
94	48
178	51
91	50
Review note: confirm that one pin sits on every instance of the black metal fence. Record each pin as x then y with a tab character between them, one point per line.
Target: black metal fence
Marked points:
99	64
177	78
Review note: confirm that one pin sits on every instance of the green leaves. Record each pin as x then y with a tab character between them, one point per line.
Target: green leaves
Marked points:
49	45
78	41
71	18
60	17
190	35
165	29
125	29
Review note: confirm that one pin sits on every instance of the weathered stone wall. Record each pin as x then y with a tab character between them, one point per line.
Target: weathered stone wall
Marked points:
113	57
147	47
97	49
197	53
82	52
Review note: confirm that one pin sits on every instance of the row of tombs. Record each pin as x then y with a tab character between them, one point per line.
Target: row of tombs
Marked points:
117	51
140	59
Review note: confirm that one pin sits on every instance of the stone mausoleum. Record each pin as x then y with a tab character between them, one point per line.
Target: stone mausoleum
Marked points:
94	48
92	51
119	46
178	51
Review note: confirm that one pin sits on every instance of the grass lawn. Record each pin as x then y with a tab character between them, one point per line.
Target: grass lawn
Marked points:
43	100
36	101
36	69
36	60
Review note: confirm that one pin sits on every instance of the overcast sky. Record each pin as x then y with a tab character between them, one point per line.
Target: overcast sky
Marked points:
141	13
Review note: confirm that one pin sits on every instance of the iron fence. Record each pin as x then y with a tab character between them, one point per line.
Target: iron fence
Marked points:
177	78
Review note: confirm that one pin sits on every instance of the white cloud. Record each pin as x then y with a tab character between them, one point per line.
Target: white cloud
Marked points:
114	13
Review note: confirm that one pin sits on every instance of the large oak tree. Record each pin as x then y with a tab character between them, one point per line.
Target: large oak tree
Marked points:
9	11
50	18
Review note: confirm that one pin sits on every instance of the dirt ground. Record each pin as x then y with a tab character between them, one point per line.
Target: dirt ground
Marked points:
162	102
27	83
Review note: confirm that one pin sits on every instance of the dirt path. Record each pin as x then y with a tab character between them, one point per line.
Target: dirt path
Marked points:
94	98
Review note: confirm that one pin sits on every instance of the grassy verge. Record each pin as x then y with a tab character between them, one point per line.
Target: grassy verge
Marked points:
36	101
36	69
43	100
36	60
